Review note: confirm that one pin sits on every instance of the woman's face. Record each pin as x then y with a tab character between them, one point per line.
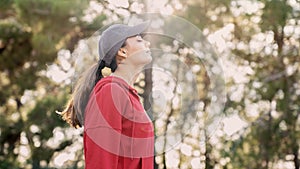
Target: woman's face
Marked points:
138	50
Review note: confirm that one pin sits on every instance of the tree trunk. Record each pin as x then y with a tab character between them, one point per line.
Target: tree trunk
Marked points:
296	157
148	100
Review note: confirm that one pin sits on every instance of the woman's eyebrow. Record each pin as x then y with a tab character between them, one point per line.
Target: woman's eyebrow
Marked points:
143	34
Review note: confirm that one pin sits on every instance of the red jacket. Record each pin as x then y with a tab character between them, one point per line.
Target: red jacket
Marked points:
118	133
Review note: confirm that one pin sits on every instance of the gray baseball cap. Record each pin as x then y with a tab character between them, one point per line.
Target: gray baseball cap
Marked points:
114	37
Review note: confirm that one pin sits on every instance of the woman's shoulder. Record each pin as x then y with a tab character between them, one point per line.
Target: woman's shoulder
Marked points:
110	85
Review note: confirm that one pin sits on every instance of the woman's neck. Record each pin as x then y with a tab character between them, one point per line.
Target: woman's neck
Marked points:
129	75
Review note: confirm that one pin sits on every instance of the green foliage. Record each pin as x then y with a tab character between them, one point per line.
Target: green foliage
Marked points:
269	138
31	33
97	23
5	5
15	48
15	51
200	13
34	12
275	14
43	115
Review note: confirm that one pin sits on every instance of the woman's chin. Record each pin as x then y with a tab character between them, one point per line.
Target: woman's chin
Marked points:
149	57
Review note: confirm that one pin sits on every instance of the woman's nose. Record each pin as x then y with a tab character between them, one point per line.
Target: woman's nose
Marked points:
147	44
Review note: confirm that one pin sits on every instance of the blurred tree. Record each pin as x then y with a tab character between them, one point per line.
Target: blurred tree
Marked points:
208	16
265	40
271	50
31	33
274	136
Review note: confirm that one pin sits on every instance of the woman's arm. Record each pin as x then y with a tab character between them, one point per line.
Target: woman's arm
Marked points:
103	126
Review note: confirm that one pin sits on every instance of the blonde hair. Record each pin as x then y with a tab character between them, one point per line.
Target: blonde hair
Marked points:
75	108
74	111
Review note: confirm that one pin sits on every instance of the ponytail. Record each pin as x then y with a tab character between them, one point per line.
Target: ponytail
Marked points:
74	111
113	65
99	71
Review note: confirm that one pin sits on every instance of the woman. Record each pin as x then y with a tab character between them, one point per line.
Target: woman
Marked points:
118	134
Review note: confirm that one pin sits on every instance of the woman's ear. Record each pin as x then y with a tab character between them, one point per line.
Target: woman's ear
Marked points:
122	52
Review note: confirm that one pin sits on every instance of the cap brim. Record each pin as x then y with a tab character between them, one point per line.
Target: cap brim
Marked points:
138	29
